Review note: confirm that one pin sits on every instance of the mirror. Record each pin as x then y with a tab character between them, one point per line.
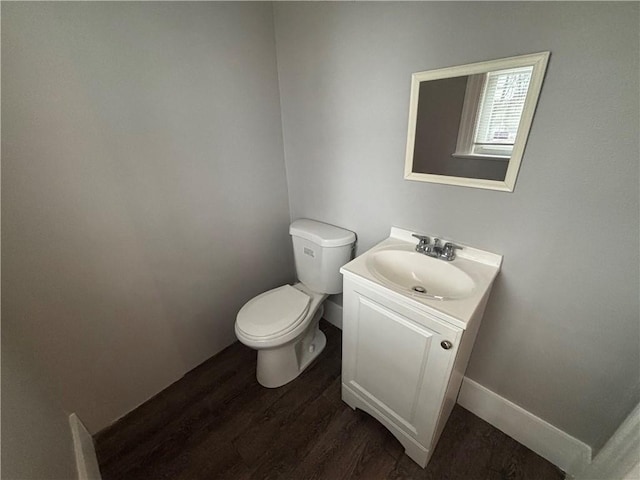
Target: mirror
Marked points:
468	125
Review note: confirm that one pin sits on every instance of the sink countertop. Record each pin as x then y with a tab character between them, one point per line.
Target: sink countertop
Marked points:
481	266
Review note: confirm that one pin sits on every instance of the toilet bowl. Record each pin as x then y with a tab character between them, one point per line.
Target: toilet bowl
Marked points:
282	324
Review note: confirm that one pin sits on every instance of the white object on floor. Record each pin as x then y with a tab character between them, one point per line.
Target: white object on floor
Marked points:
282	323
409	324
85	453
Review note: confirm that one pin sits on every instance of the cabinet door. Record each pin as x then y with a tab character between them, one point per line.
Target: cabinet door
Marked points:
396	364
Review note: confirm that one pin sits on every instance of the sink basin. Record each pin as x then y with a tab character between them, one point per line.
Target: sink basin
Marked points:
453	291
420	275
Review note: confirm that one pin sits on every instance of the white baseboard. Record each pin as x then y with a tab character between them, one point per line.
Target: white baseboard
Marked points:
86	459
560	448
333	313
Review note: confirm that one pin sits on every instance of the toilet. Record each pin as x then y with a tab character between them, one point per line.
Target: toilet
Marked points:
283	324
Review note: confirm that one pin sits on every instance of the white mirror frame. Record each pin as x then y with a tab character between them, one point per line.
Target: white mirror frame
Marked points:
537	60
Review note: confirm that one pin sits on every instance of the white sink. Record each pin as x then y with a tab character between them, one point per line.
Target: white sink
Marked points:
419	274
456	290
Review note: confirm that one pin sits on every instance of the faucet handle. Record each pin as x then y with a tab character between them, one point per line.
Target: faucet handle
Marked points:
448	251
423	243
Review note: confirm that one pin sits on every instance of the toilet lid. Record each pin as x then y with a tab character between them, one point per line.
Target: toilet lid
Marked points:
273	312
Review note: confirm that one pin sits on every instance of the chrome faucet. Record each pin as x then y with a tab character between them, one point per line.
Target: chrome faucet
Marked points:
444	252
423	243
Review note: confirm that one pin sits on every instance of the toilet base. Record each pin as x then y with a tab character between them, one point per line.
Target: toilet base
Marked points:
278	366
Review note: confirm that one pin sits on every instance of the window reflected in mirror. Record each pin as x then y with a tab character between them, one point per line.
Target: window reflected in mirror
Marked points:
468	125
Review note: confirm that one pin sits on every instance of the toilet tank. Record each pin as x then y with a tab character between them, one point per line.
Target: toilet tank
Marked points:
319	250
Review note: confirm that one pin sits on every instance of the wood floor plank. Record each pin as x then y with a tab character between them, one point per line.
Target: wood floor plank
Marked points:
281	458
286	413
374	460
166	413
218	422
335	448
189	425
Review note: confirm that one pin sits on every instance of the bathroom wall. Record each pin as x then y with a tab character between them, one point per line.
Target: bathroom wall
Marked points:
36	440
560	335
144	196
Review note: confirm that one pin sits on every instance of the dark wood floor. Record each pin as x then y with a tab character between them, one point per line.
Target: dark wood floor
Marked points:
218	422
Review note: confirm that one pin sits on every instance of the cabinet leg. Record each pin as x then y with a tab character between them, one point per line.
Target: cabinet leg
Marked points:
418	455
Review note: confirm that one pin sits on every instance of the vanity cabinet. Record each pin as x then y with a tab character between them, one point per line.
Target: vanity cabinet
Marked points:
401	365
409	322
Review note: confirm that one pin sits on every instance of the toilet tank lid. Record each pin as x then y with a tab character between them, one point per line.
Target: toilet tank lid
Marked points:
321	234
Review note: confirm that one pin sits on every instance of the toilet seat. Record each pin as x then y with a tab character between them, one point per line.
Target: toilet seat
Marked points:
273	313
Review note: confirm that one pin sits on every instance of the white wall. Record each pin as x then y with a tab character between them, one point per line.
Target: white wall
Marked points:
36	440
560	335
144	196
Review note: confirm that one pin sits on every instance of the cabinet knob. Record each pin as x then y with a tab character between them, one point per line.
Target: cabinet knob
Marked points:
446	344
